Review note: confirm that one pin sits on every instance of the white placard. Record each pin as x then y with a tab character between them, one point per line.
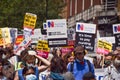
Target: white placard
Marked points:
56	28
85	28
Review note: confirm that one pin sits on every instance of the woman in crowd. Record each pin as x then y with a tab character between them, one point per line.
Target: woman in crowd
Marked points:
69	57
57	52
29	73
58	70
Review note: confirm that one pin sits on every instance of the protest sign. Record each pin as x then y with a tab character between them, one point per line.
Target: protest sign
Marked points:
30	20
116	32
42	48
85	35
57	32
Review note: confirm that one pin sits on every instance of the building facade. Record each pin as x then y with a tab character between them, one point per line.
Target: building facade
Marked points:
104	13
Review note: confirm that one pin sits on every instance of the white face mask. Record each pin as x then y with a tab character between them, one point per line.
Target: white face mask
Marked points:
31	77
32	65
117	61
4	56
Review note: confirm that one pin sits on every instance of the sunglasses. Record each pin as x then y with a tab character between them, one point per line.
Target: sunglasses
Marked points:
79	53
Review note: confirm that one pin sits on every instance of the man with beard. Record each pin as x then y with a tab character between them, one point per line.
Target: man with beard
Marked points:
112	72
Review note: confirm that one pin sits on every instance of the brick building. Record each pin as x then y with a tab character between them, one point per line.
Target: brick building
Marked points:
104	13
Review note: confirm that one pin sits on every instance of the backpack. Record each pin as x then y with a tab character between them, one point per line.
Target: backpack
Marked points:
72	66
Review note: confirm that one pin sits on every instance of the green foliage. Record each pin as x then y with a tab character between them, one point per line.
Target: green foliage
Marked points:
12	12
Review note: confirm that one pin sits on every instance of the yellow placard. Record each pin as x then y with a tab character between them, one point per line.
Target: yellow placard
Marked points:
107	46
30	20
104	45
43	45
100	44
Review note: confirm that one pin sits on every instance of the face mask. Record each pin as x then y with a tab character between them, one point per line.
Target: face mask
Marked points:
3	56
31	77
32	65
107	62
117	61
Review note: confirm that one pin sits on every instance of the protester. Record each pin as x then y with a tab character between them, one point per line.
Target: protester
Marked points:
8	69
69	57
57	52
29	58
112	72
108	59
80	65
58	70
29	73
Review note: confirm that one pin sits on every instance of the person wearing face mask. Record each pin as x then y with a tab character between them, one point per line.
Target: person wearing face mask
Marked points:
29	58
108	59
29	73
112	72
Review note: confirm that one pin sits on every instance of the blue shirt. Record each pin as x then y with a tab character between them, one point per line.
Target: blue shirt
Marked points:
80	69
21	77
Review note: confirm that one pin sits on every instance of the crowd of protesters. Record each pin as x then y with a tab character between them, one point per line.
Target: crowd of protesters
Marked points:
72	66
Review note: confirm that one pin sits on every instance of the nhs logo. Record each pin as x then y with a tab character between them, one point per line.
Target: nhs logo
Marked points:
85	27
80	27
116	28
50	24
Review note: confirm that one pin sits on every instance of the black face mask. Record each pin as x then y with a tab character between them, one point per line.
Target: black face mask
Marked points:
107	62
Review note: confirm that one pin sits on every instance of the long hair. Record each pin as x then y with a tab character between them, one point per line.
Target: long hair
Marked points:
58	65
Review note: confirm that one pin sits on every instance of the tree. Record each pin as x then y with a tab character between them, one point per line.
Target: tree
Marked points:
12	12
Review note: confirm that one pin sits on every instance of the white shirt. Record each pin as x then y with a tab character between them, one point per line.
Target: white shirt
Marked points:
111	73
